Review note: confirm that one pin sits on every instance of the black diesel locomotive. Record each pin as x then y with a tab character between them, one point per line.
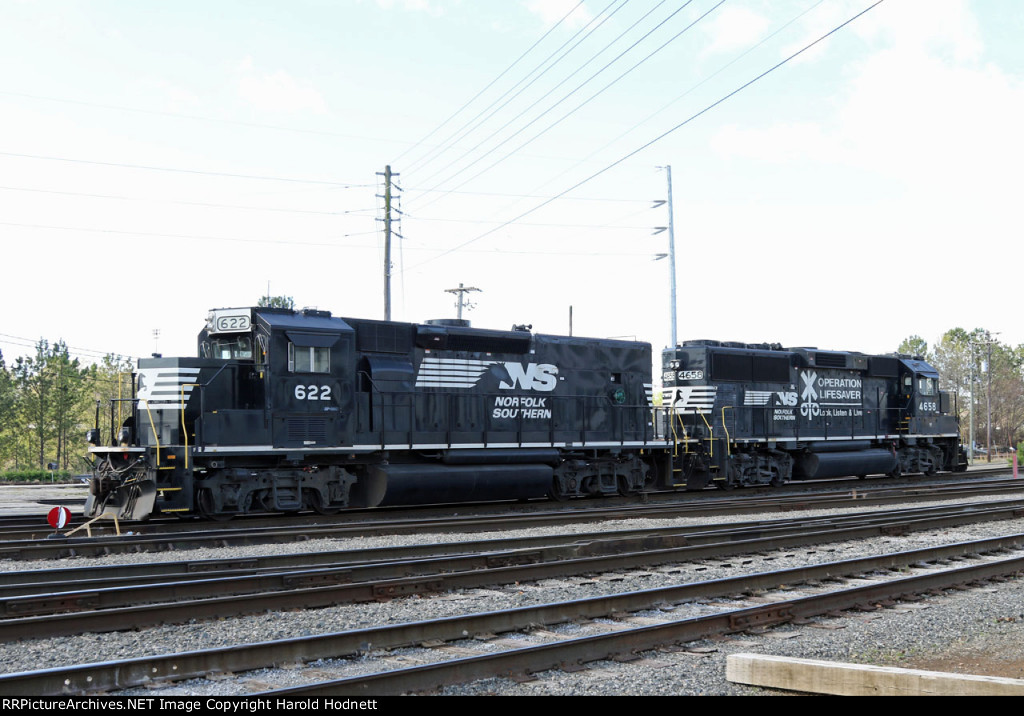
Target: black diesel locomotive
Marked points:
290	410
761	414
300	410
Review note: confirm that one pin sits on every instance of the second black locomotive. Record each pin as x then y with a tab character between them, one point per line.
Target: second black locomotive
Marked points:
761	414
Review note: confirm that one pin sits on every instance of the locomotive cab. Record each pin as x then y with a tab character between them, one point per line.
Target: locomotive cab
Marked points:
308	377
923	407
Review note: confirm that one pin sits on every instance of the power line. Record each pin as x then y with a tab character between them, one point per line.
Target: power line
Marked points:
491	83
538	224
182	203
551	61
194	117
592	97
657	139
342	185
704	81
367	247
553	89
84	352
186	236
601	199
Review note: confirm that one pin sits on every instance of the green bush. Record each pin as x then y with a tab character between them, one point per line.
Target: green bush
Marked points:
35	476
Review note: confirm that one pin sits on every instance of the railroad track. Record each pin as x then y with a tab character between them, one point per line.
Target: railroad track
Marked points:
528	645
108	597
637	551
38	604
177	536
32	525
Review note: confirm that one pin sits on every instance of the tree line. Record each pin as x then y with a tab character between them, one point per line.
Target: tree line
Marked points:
984	374
49	400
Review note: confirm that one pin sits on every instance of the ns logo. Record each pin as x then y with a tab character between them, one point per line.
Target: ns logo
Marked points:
533	376
787	398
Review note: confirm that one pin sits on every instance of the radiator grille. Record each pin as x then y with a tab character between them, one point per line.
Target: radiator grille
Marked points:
307	429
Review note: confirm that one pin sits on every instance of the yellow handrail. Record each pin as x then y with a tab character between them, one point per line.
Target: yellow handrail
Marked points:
725	427
711	435
156	437
184	430
671	415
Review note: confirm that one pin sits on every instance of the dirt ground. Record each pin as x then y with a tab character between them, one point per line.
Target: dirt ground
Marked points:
999	655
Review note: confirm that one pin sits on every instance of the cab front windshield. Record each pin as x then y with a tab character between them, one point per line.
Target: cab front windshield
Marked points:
925	386
231	348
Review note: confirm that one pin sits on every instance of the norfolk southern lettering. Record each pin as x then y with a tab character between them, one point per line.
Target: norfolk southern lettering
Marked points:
514	407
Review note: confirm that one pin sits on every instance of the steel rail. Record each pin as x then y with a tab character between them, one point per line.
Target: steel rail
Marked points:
63	547
569	654
591	557
113	675
289	571
89	577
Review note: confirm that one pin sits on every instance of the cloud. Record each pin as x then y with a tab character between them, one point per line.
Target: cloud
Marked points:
278	91
551	11
919	105
734	28
431	8
946	27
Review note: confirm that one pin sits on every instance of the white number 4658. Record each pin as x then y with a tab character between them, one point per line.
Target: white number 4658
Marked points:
312	392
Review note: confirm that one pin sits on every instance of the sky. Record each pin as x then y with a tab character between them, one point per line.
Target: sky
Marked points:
161	159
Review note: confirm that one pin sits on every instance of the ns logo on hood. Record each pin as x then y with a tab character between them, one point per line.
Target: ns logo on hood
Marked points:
533	376
437	372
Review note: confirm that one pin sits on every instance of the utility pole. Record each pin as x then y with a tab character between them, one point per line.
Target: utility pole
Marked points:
388	200
671	252
462	291
970	447
988	406
988	397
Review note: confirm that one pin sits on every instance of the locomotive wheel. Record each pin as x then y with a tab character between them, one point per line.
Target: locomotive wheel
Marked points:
555	493
316	503
205	505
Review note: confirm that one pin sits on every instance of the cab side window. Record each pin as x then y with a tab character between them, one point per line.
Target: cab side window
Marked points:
308	359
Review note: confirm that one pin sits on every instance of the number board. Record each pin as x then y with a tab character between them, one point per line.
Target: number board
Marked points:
236	321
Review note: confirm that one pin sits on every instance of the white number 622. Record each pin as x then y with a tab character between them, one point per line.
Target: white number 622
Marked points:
312	392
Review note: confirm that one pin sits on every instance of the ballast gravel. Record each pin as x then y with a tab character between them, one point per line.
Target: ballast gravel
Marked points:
975	631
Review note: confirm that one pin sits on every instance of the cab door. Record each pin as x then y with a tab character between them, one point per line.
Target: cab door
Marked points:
313	401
